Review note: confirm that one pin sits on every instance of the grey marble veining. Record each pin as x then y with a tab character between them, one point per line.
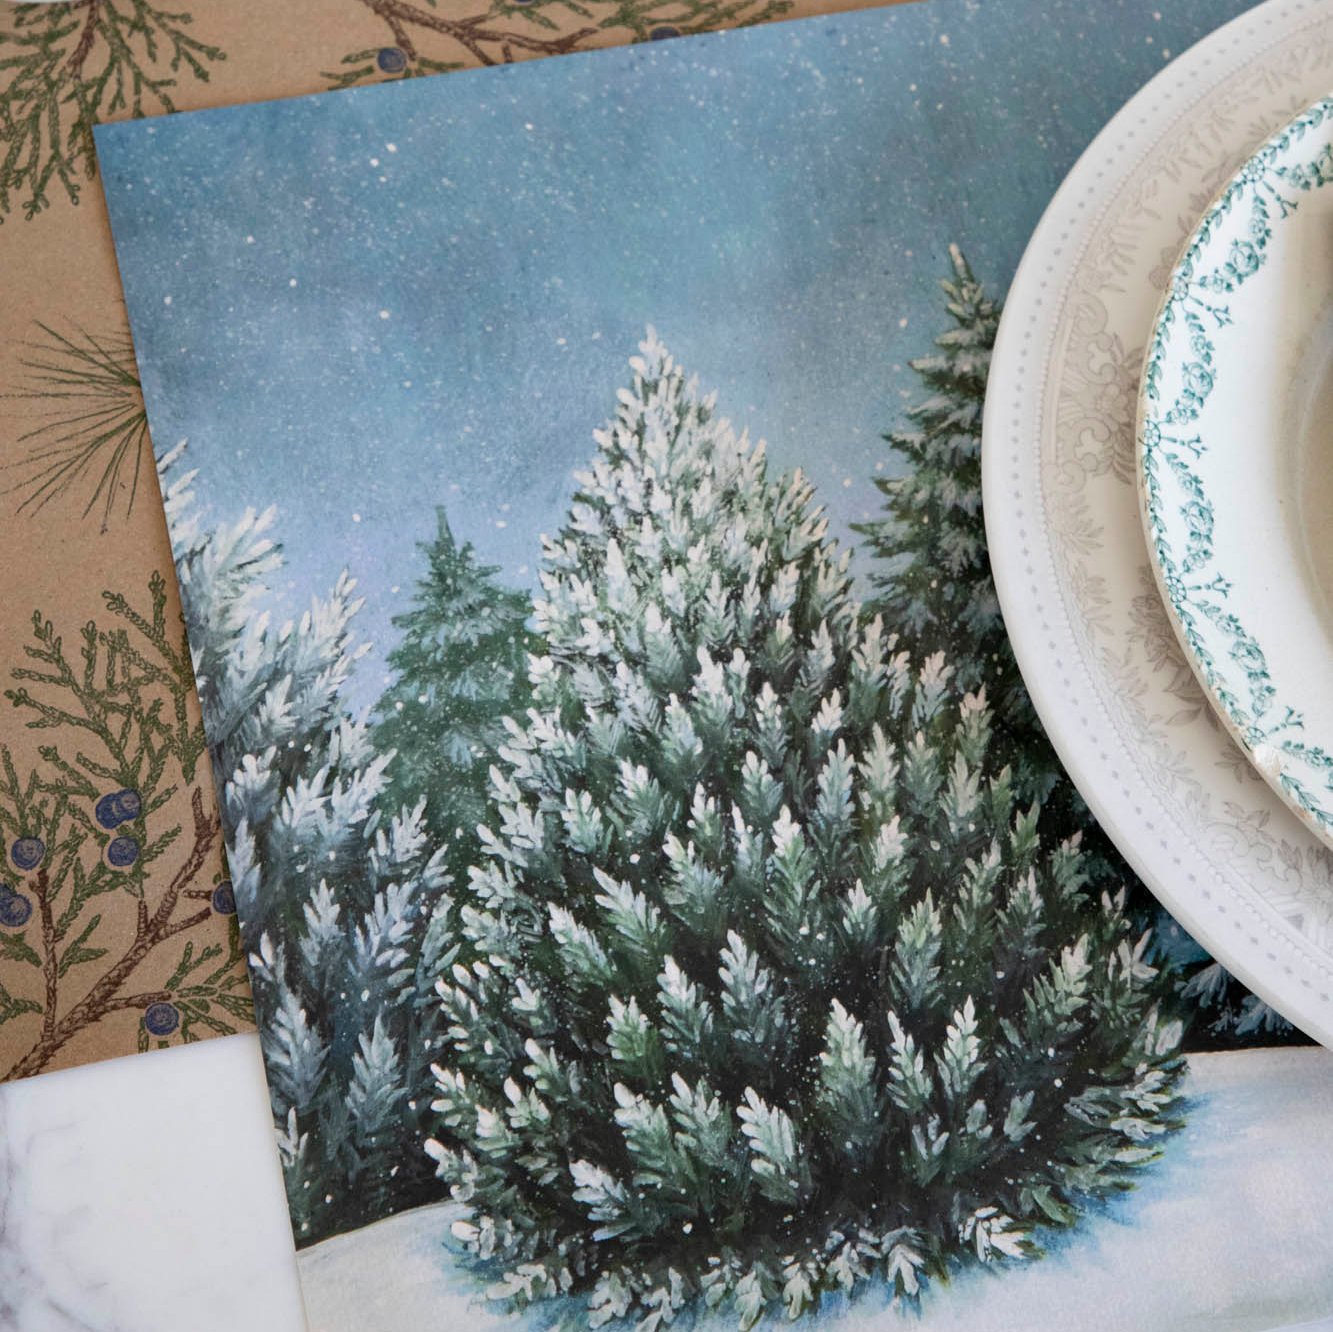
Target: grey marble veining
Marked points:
143	1195
32	1291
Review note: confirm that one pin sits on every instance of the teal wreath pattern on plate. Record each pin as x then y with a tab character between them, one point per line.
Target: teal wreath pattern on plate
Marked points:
1265	191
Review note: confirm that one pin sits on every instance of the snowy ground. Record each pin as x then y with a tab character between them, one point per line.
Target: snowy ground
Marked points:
1232	1232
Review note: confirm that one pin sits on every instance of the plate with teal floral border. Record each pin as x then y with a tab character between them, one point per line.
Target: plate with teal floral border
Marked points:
1235	459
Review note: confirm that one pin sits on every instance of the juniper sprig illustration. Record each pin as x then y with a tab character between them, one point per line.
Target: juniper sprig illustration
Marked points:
95	823
65	67
423	40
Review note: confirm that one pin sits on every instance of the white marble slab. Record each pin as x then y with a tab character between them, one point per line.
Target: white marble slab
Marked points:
144	1195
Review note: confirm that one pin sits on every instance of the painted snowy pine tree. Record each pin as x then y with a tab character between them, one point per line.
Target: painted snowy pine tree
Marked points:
778	988
934	585
339	888
933	582
460	668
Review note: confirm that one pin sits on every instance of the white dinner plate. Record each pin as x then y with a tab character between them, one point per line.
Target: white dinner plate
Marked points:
1128	717
1234	476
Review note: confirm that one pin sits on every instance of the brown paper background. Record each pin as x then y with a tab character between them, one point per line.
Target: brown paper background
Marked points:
57	269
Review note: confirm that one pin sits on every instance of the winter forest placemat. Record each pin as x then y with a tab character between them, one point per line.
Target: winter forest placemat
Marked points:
84	975
656	884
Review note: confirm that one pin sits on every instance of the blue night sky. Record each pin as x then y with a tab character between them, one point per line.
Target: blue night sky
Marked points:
360	305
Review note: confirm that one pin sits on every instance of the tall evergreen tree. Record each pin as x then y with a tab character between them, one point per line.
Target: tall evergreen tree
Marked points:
933	583
777	986
460	668
341	893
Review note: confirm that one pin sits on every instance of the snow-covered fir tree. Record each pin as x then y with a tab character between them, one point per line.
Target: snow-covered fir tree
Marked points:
777	986
340	887
932	580
933	583
460	667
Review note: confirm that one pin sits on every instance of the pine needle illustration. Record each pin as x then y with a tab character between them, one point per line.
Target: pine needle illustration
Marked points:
90	435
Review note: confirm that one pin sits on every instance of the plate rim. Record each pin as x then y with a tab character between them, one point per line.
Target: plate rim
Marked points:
1300	984
1265	757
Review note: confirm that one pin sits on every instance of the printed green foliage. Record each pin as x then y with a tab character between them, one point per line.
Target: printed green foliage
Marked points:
422	39
64	67
90	841
342	888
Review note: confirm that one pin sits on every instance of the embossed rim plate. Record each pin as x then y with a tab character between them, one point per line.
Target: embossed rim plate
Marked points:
1226	855
1223	417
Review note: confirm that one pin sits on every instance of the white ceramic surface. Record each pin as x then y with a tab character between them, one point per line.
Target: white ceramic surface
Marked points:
1233	471
144	1195
1092	636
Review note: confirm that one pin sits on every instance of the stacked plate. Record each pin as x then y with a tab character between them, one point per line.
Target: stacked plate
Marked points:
1158	458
